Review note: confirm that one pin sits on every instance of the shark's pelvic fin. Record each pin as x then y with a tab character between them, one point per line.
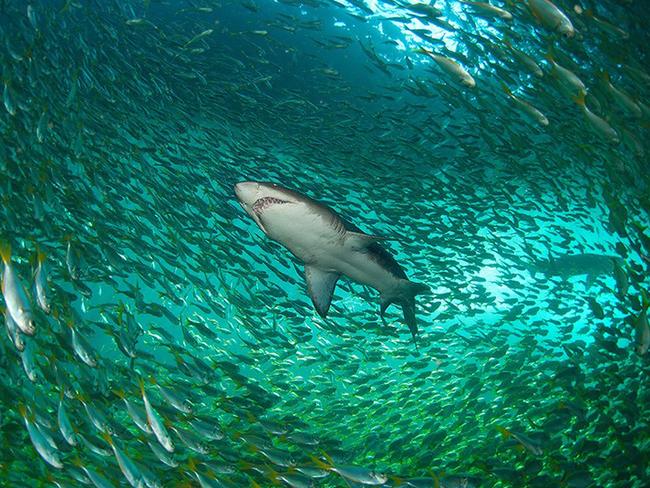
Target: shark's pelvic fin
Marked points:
358	241
320	285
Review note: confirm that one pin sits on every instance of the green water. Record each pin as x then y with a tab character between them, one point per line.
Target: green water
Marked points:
125	126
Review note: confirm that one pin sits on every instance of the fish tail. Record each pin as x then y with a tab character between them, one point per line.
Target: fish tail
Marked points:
397	481
504	432
408	308
22	410
422	50
436	478
5	251
273	475
580	99
328	457
409	292
320	463
107	437
244	465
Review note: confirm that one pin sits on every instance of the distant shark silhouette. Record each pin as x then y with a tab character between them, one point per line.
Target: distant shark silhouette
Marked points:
329	246
568	265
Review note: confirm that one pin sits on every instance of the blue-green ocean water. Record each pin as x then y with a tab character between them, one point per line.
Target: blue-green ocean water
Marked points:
125	126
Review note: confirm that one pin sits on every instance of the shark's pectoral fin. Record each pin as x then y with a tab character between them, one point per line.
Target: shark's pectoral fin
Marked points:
357	241
320	285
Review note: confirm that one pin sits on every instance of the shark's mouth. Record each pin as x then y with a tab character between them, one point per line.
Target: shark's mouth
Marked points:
263	203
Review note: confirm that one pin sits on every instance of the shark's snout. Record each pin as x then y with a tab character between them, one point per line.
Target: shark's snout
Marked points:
247	192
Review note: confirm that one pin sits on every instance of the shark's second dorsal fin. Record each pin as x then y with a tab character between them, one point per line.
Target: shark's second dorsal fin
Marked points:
320	285
359	241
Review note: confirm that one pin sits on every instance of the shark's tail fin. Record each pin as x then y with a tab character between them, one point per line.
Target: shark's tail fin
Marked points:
405	296
408	305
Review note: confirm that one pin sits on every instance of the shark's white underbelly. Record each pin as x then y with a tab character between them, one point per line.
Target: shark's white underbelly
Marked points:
316	240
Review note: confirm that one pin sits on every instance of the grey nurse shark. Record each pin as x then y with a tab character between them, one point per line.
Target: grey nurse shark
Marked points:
329	246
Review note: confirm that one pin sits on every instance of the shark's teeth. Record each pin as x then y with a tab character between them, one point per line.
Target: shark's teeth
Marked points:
262	204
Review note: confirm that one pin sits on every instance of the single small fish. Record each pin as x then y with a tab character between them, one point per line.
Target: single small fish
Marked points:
72	260
138	416
81	347
210	431
622	99
599	124
524	59
488	10
568	79
95	416
41	127
156	422
358	474
596	308
40	443
527	443
201	35
162	455
526	107
8	100
192	441
181	404
622	281
642	328
13	331
451	67
29	365
551	17
97	479
40	283
15	295
64	424
128	468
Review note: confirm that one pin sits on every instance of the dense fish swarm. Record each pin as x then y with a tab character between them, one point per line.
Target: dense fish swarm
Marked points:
155	337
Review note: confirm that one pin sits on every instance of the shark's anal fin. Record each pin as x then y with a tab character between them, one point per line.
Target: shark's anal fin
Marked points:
320	285
358	241
591	279
385	303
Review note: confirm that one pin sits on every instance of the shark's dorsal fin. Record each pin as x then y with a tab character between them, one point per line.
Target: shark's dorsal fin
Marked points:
320	285
359	241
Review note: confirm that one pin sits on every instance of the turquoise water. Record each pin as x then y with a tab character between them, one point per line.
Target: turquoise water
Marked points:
125	126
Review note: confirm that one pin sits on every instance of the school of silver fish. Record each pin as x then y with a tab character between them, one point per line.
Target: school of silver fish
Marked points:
156	338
